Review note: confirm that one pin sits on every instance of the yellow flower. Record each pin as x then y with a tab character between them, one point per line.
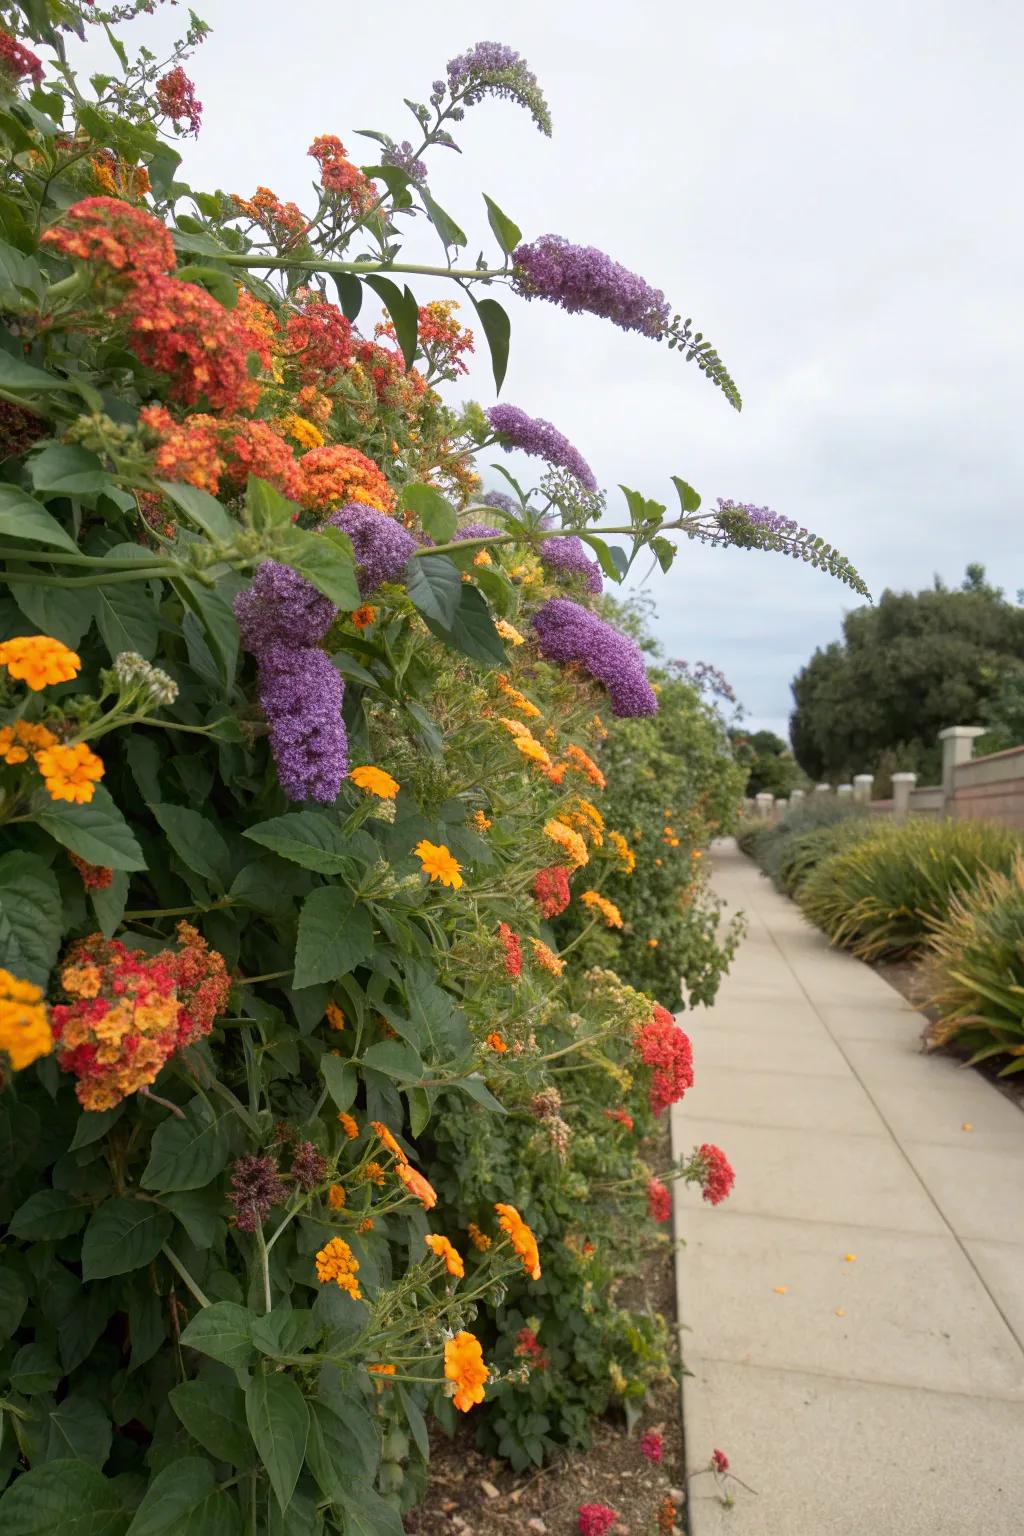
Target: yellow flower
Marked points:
608	910
336	1197
480	821
464	1366
518	700
70	773
521	1238
482	558
547	957
335	1017
336	1261
18	739
304	432
39	660
479	1239
348	1125
509	632
24	1028
532	749
443	1249
516	728
438	863
569	841
624	852
585	765
376	782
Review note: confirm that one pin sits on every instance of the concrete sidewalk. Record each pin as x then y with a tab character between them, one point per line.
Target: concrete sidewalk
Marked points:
878	1395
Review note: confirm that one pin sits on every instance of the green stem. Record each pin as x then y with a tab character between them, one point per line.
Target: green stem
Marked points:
58	557
256	259
204	1301
261	1248
145	573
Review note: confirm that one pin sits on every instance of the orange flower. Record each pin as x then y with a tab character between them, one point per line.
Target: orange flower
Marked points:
496	1043
363	617
336	1262
389	1141
24	1028
334	474
624	852
480	821
569	841
531	748
70	773
547	957
335	1017
521	1238
695	854
348	1125
417	1185
373	1173
438	863
336	1197
17	739
608	910
585	765
464	1365
39	660
556	773
366	1225
381	1370
443	1249
479	1239
375	781
652	943
509	632
518	700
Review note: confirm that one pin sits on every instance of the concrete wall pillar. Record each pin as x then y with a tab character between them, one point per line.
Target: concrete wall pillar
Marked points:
781	807
844	791
823	789
957	747
796	797
765	801
862	785
902	784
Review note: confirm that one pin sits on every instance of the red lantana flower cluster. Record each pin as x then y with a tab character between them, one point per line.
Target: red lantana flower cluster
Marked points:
528	1348
17	61
620	1115
319	339
176	98
659	1200
338	174
551	890
512	945
95	877
716	1173
662	1045
129	1011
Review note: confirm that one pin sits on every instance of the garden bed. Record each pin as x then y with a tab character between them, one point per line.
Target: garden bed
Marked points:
469	1492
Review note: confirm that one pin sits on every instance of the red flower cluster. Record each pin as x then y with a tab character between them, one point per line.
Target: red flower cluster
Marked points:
717	1176
719	1461
95	877
661	1044
512	945
334	474
659	1200
652	1446
251	447
338	174
16	60
176	98
551	890
107	232
528	1348
319	339
621	1116
596	1519
19	429
129	1011
283	223
181	331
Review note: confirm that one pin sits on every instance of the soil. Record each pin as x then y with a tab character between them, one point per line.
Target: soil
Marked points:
472	1494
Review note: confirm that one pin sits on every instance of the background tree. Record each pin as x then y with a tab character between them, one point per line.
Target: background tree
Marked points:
771	765
904	669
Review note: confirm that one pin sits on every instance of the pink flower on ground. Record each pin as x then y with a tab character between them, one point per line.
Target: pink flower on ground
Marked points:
652	1446
596	1519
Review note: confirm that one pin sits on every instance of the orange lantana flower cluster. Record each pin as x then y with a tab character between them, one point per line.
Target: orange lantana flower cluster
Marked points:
24	1028
608	910
464	1368
337	1264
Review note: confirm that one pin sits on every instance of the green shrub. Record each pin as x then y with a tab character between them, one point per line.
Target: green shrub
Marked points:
799	857
771	844
973	969
878	897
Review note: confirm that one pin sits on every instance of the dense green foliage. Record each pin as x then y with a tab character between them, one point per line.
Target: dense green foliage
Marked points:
771	767
788	849
905	669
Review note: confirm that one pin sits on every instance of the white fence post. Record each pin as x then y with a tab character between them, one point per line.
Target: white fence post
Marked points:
844	791
862	785
765	801
957	747
902	784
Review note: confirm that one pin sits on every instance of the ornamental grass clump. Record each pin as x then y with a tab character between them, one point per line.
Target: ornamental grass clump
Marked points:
879	897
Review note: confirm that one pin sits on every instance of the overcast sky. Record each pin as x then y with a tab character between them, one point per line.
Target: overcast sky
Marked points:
831	191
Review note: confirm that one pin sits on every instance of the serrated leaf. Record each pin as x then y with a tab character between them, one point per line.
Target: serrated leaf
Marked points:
471	629
68	1496
184	1500
222	1331
434	586
188	1153
78	1428
47	1215
310	839
97	832
202	509
196	841
123	1235
335	935
214	1414
30	917
436	515
395	1059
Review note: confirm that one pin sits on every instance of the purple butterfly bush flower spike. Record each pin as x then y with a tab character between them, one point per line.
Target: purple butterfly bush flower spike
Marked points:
281	605
568	557
301	694
382	546
761	517
570	634
582	278
477	531
501	502
495	69
537	437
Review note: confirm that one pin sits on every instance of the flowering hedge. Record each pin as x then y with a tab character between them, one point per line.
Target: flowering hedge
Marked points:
312	1126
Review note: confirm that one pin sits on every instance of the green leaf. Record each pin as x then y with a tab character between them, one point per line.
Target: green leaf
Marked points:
13	1301
443	222
47	1215
64	469
214	1414
471	630
202	509
335	935
213	610
220	281
403	310
279	1423
21	378
437	516
497	328
122	1236
395	1059
21	517
66	1496
395	179
341	1080
63	612
109	903
688	497
497	588
97	832
222	1331
308	838
196	841
324	561
188	1153
434	586
78	1428
127	618
664	551
507	234
606	556
34	1370
92	1124
350	294
367	1514
199	1211
184	1500
344	1445
30	917
477	1089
